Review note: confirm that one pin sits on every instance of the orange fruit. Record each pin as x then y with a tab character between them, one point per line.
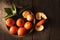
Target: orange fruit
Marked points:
30	17
21	31
20	22
40	22
28	25
13	29
25	13
10	22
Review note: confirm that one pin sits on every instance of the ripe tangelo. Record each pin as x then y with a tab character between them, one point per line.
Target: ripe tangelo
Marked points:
30	17
25	13
13	30
10	22
28	25
20	22
21	31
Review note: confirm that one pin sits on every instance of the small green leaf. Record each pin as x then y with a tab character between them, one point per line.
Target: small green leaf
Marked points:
8	16
8	11
13	8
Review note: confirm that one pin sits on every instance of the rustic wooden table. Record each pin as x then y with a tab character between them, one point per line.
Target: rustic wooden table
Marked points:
50	7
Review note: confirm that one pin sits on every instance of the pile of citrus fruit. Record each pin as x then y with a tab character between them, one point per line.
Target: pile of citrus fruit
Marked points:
20	26
23	24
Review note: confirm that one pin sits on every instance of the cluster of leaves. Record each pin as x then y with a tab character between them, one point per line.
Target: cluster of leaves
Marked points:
12	11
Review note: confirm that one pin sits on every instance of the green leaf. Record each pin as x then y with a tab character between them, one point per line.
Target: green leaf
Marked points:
13	8
8	16
8	11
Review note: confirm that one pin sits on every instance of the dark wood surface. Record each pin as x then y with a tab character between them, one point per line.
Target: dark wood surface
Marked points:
52	27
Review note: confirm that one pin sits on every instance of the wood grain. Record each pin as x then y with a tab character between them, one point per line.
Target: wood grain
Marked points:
51	8
52	27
